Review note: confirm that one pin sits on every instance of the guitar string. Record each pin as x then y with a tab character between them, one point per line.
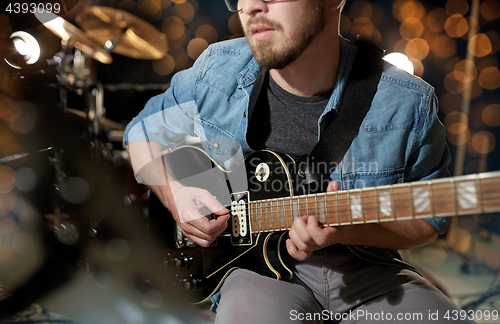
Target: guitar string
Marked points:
282	203
399	197
284	209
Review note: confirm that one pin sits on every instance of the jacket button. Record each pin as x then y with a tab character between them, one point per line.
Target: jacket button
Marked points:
245	114
216	145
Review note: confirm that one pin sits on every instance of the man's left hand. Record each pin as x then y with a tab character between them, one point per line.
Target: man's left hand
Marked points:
308	235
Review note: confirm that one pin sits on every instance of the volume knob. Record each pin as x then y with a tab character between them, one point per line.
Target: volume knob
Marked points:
192	284
183	261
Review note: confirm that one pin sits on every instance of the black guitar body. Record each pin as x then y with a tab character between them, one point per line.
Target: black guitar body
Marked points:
196	272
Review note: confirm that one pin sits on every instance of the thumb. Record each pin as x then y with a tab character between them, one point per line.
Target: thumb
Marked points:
332	186
213	204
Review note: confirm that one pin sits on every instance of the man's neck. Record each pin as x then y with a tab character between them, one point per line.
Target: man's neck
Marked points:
315	71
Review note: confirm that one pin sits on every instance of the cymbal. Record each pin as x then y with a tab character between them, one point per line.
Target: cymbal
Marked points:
123	33
73	36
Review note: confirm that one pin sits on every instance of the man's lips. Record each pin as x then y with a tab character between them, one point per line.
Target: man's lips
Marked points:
260	32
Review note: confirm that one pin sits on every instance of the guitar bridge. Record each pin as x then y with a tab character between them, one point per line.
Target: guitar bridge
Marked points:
240	221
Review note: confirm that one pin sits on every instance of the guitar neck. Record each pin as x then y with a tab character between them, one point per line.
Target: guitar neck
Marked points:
463	195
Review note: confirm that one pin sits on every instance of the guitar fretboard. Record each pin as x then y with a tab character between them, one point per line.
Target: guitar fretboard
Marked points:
464	195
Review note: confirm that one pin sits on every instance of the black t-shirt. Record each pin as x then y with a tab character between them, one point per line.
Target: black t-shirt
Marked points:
284	122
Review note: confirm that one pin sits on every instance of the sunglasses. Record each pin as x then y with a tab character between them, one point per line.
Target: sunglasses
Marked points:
232	5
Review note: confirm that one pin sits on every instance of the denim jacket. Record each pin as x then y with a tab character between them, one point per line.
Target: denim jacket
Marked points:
400	140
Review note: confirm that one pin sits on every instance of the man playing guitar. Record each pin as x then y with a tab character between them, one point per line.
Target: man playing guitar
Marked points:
337	269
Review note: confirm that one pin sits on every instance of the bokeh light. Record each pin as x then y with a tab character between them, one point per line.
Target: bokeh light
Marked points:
483	142
491	115
184	10
417	49
459	239
453	85
456	26
444	46
150	7
435	256
404	9
490	9
411	28
164	66
7	179
490	78
196	46
208	33
173	27
483	45
465	71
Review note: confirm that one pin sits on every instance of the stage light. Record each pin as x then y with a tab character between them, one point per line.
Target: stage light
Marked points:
27	46
401	61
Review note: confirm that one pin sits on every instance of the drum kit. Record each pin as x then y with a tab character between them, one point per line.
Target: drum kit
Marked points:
100	32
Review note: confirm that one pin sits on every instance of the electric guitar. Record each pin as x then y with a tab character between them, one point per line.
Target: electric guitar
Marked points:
260	195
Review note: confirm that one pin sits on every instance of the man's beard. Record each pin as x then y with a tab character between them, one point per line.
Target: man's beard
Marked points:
270	57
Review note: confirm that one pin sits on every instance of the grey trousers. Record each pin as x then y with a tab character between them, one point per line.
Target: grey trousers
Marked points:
334	286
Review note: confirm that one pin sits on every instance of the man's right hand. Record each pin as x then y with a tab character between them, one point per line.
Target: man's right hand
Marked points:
186	209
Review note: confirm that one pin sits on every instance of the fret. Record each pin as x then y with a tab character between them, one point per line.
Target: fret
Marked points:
411	200
261	218
376	204
479	193
283	220
385	203
316	206
307	206
490	189
443	198
467	196
275	213
429	183
320	208
421	200
454	195
362	205
252	219
291	211
256	215
337	207
402	206
356	208
296	212
393	204
349	206
272	216
267	228
283	214
369	203
326	208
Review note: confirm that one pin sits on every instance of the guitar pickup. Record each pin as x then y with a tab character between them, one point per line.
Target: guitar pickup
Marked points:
240	223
